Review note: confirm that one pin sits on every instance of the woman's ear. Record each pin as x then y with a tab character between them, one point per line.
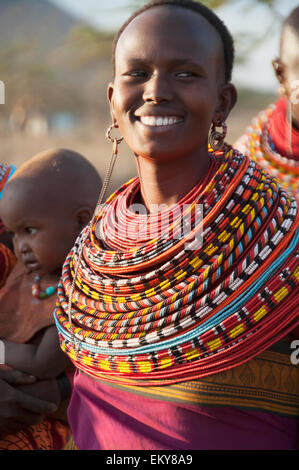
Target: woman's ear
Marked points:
278	70
227	99
110	91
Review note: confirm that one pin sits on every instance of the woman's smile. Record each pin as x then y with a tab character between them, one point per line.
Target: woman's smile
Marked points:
159	121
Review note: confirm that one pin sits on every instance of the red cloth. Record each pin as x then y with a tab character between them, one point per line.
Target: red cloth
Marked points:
279	131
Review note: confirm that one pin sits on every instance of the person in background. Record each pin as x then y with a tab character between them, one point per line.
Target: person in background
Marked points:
272	139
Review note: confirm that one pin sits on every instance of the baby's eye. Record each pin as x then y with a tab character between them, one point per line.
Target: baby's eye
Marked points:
30	230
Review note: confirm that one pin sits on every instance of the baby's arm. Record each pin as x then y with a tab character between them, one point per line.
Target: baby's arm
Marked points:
44	360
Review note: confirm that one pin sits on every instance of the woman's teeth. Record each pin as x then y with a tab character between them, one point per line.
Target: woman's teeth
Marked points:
159	120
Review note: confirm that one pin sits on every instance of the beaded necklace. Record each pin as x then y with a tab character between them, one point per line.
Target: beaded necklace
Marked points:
149	311
42	294
258	146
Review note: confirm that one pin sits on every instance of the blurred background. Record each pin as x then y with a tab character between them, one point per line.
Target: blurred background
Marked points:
55	63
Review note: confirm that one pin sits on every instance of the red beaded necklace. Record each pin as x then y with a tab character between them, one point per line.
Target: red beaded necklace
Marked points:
42	294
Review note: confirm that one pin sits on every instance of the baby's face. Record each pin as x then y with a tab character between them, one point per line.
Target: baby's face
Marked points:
41	238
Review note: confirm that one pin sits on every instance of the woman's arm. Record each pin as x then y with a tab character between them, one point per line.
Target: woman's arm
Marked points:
44	360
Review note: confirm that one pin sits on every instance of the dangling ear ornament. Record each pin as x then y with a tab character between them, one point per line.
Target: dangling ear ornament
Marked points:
115	142
216	138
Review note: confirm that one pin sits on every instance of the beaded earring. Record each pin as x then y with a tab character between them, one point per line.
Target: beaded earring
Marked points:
216	138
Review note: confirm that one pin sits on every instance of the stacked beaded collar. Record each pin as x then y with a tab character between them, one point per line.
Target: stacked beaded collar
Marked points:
151	311
258	146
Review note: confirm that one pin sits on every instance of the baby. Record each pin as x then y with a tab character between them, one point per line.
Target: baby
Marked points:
45	205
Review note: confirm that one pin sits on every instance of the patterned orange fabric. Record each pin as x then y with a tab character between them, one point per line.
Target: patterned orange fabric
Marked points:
50	434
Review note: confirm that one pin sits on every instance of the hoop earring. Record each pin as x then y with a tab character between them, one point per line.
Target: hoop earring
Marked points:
115	141
216	138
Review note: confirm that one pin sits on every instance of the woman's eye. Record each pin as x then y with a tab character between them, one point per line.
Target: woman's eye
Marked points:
136	74
185	74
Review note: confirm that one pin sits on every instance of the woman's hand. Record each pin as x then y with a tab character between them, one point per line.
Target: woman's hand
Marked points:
18	409
47	390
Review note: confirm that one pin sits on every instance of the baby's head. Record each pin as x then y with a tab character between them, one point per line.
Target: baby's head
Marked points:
46	204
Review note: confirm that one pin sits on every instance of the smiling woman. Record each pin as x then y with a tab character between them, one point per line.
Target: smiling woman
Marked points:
181	341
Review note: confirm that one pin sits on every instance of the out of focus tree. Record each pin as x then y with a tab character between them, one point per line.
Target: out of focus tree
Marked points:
32	86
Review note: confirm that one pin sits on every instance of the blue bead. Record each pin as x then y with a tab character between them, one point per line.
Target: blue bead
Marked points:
50	290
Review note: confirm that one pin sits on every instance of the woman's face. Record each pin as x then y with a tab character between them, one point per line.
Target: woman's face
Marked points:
169	83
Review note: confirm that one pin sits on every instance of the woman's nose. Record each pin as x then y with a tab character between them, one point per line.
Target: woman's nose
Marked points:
157	89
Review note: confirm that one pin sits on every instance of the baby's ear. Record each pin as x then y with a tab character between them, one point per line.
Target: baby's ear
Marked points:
83	216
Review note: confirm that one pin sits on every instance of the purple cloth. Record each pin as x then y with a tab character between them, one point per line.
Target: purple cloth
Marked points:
103	417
